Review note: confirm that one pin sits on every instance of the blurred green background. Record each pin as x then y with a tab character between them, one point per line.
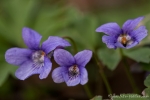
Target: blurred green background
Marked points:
77	19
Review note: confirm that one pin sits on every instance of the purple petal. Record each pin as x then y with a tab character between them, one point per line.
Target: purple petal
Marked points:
71	81
83	57
17	56
27	69
31	38
63	57
57	75
46	68
109	29
139	33
130	25
119	45
109	40
52	42
84	76
132	45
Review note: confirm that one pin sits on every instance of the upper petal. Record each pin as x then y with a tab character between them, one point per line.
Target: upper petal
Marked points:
52	42
63	57
139	33
31	38
46	68
109	29
84	76
27	69
57	74
110	41
83	57
71	81
17	56
129	25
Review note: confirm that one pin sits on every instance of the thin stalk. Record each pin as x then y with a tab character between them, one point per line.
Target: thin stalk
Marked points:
128	73
103	74
86	88
73	43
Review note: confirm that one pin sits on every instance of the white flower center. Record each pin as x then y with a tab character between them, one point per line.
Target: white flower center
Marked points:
38	58
73	71
125	39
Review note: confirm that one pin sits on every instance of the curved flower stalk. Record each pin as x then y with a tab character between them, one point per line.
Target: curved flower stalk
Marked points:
126	37
72	68
35	59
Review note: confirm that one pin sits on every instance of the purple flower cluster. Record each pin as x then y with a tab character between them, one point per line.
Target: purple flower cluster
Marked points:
36	59
126	37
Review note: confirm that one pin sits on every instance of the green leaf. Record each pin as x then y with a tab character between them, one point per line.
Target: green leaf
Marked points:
97	98
109	57
3	74
145	66
128	97
5	70
147	81
147	92
139	55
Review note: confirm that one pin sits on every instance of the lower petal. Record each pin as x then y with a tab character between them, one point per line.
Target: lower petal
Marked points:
84	76
17	56
27	69
57	75
119	45
109	40
132	45
46	68
71	81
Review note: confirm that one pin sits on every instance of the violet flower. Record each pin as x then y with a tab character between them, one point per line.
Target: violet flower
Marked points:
72	69
34	60
127	37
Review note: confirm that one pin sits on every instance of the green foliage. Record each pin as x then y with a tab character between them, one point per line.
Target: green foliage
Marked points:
147	84
109	57
145	66
97	98
5	70
139	54
147	81
147	92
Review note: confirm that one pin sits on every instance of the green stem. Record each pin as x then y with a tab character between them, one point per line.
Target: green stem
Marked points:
103	74
86	88
88	92
128	73
73	43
